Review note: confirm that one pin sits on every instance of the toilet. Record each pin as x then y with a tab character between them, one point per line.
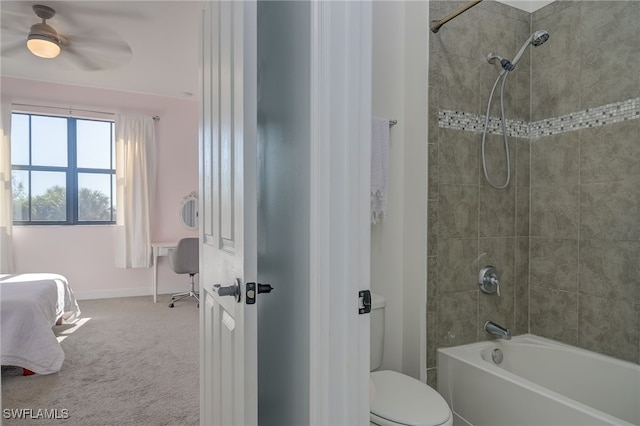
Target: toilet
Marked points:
396	399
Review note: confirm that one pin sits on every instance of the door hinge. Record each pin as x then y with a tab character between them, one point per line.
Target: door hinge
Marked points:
364	302
251	291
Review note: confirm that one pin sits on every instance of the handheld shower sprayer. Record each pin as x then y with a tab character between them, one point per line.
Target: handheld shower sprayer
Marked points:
536	39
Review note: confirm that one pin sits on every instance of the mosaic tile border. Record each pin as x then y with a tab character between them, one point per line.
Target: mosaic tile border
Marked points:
591	117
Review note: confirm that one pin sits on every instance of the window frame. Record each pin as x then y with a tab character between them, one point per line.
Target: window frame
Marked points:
72	172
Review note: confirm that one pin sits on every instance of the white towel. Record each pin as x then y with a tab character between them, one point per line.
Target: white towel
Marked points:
379	167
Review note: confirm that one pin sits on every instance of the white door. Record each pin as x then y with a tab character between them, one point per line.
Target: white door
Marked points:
315	363
228	343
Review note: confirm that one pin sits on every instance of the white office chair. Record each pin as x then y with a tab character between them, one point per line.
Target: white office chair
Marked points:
184	259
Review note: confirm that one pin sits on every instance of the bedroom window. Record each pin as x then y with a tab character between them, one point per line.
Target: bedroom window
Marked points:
63	170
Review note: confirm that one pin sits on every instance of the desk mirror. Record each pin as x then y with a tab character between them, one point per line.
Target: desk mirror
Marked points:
189	211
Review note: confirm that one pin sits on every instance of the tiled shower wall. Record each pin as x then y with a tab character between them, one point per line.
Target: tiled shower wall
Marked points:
564	235
585	185
471	224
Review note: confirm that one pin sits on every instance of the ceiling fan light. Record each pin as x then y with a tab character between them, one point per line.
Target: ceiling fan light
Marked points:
43	48
43	41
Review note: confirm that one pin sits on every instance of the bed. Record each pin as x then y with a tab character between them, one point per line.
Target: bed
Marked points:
30	305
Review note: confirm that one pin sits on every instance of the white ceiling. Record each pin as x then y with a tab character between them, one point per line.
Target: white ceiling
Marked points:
162	35
527	5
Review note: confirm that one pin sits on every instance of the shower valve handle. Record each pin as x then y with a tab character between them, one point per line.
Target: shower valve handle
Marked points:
488	280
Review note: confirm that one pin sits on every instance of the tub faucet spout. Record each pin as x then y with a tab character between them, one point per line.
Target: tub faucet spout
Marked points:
497	330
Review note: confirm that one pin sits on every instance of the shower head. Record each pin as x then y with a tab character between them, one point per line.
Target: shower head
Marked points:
537	38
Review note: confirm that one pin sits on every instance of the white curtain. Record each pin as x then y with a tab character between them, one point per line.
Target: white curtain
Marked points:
6	219
136	176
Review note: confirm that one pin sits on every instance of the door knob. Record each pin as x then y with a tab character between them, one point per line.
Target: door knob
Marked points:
232	290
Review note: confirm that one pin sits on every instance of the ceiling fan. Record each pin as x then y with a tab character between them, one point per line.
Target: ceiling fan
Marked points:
84	48
43	40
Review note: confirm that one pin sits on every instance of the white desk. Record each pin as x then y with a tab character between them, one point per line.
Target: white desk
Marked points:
159	249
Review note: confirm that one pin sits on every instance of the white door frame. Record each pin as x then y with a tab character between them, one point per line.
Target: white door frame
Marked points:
340	210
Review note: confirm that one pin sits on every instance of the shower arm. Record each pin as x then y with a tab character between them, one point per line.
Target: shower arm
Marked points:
435	25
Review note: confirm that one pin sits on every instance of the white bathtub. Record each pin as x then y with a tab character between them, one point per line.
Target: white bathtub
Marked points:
539	382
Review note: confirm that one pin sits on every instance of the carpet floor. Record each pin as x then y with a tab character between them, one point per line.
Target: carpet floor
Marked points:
127	361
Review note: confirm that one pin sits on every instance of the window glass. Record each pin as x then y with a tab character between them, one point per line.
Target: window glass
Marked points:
113	146
94	197
48	141
94	144
20	139
63	170
113	196
20	192
48	196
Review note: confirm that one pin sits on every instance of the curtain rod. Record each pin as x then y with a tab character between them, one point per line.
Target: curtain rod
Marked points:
155	117
435	25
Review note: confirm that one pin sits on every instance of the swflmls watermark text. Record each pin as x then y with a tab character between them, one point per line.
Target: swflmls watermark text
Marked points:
36	413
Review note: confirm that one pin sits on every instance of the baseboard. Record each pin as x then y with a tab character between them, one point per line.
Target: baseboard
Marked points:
123	292
112	293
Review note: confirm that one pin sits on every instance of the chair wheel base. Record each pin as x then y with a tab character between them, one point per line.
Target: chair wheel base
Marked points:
182	296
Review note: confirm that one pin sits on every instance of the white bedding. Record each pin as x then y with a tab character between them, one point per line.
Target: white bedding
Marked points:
30	304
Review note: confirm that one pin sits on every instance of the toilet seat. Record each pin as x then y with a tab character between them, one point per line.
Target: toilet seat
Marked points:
397	399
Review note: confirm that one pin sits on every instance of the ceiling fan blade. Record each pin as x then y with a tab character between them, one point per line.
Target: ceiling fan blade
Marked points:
94	60
17	10
98	49
103	42
13	25
80	59
13	48
72	14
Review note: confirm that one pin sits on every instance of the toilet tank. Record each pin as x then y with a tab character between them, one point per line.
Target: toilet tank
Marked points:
377	331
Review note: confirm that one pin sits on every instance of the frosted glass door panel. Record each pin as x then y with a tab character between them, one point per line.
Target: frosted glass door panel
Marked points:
283	211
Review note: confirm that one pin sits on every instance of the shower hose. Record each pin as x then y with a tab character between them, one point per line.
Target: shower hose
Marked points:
503	76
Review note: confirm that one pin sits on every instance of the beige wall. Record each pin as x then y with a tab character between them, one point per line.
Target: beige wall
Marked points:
387	237
398	245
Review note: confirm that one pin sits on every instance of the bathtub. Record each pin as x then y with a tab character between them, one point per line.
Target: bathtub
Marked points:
538	382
